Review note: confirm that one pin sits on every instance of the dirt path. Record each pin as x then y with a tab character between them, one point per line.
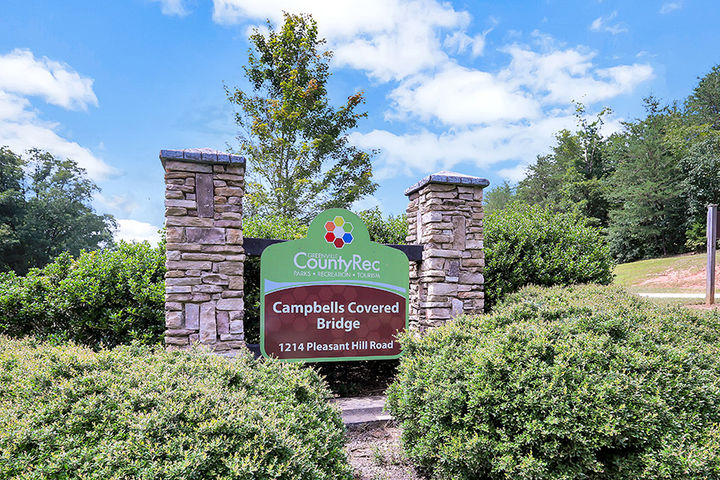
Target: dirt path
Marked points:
376	454
684	279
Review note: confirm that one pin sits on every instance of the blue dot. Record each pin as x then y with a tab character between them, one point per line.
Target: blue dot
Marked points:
347	238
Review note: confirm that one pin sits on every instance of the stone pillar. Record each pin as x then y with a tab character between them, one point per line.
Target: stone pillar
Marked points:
204	253
445	215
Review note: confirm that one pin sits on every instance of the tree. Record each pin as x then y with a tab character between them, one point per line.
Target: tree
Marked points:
45	210
391	230
11	202
295	142
648	213
498	197
703	105
573	176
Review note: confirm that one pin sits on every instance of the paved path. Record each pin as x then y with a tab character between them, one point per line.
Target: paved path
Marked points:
675	295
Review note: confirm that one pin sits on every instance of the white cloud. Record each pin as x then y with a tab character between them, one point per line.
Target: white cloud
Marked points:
172	7
22	74
668	7
425	152
366	203
560	76
389	39
462	96
489	116
21	128
602	24
508	116
522	91
121	202
514	174
459	41
136	231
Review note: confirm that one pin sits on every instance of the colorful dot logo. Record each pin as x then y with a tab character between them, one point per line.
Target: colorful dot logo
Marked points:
338	232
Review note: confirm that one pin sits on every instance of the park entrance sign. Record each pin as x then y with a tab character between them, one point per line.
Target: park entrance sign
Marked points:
334	295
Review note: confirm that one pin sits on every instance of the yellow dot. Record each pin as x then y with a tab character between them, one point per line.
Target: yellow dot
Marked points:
339	221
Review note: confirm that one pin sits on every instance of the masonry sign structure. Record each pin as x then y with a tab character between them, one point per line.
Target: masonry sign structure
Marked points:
334	295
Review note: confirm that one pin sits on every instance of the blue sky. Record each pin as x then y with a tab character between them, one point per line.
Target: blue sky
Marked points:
475	87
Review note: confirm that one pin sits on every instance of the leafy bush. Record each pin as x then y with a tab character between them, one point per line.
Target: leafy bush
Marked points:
565	383
393	229
275	226
527	245
101	299
139	412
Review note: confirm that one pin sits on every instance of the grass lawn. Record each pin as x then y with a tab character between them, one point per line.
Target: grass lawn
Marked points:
679	274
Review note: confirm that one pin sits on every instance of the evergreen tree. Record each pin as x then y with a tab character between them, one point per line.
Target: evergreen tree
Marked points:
648	214
703	105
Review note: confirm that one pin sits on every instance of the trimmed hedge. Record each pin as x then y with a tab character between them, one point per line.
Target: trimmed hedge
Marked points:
582	382
99	299
533	245
138	412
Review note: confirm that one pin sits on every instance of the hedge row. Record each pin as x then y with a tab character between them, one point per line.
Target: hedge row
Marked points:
565	383
533	245
100	299
67	412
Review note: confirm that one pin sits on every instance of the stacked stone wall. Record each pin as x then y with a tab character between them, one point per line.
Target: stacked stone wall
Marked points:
445	215
204	285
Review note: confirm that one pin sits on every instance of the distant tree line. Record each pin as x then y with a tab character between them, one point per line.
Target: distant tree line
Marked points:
647	186
45	210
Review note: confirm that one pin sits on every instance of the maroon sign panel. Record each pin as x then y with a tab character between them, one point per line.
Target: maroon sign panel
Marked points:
333	321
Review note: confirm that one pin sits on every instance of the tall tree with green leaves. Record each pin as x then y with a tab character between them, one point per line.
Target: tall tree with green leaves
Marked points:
648	217
498	197
11	207
45	210
295	142
573	176
703	105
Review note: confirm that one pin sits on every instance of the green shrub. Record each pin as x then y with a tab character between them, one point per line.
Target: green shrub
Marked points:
385	230
141	413
584	382
532	245
101	299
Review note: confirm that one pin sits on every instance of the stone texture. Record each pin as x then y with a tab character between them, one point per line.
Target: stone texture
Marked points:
205	235
208	323
445	215
192	316
205	255
204	193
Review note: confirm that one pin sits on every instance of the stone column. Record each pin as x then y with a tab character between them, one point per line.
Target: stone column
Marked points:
204	253
445	215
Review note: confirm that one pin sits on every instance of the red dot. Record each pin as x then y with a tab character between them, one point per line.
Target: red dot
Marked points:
339	242
330	237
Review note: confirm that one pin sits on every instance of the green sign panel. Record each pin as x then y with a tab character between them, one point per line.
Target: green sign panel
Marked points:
334	295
